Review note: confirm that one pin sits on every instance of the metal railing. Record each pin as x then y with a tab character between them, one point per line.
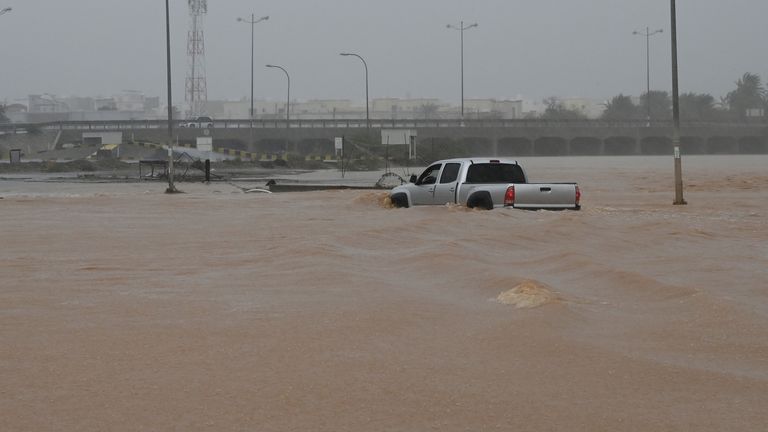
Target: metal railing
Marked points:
123	125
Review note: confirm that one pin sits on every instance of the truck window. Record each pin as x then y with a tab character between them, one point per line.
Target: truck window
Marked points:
495	173
429	176
450	173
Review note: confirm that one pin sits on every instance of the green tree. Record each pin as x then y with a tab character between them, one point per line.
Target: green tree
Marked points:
3	117
660	102
620	108
749	94
699	106
556	110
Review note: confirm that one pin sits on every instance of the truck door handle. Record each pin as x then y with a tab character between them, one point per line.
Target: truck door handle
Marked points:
546	189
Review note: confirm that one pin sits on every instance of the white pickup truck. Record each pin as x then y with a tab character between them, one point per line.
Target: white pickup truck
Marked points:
484	183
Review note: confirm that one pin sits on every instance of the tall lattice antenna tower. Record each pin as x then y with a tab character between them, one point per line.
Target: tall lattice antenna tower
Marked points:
196	86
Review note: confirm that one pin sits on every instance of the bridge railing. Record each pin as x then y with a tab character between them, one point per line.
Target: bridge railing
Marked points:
361	123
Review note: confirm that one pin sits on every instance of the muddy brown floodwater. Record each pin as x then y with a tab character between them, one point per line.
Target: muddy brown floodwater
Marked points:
123	309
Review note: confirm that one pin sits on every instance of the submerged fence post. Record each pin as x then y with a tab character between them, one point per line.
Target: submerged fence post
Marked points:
207	170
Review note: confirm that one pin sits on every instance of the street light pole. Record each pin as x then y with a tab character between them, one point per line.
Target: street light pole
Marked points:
648	35
679	200
171	186
367	111
461	27
253	21
288	102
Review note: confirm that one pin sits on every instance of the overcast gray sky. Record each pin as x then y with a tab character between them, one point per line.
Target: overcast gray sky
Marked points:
533	48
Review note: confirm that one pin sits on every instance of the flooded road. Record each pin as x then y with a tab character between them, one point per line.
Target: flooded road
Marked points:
122	308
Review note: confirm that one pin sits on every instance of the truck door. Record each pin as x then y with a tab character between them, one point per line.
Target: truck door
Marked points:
424	192
445	189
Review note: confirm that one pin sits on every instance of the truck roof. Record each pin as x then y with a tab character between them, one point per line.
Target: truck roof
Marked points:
480	160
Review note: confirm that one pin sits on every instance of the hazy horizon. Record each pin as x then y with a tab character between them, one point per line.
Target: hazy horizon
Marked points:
530	49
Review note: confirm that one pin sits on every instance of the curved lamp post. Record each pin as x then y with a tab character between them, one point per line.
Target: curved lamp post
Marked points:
252	21
5	11
367	111
648	33
461	27
288	102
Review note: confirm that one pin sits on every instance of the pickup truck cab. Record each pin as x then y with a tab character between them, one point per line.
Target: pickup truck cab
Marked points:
484	183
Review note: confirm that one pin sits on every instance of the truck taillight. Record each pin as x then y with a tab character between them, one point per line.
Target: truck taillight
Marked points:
578	195
509	197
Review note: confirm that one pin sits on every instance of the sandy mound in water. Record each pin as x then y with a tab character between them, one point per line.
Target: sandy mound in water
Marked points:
528	295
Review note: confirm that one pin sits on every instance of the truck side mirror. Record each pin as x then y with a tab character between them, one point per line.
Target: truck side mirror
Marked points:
412	179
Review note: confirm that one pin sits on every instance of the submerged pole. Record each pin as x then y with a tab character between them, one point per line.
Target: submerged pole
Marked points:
679	200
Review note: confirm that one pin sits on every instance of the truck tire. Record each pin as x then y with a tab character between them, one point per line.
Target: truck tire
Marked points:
399	200
481	200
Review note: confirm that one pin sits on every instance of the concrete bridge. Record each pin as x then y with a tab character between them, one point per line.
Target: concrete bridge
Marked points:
447	138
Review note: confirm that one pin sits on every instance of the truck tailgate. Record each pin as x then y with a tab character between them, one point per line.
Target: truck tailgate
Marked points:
546	196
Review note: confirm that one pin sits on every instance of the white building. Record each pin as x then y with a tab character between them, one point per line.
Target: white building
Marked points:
129	100
492	108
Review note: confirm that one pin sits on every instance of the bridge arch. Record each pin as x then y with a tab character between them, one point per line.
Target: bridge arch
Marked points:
478	145
315	147
656	145
722	145
550	146
586	146
515	146
620	146
271	145
692	145
752	145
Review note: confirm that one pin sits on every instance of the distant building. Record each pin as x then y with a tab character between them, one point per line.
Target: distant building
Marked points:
130	101
151	103
396	108
324	107
76	103
46	104
15	108
105	104
492	108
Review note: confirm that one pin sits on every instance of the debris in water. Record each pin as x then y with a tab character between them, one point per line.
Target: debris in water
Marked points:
528	295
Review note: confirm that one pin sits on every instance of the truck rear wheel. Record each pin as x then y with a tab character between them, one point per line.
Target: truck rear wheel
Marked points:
480	200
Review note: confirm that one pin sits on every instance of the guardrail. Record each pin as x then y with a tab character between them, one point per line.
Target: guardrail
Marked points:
361	123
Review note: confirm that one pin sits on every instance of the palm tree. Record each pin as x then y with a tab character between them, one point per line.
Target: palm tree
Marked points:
749	95
699	106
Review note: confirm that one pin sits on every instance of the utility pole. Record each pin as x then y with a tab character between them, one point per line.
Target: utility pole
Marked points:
253	21
461	27
648	35
679	200
171	186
